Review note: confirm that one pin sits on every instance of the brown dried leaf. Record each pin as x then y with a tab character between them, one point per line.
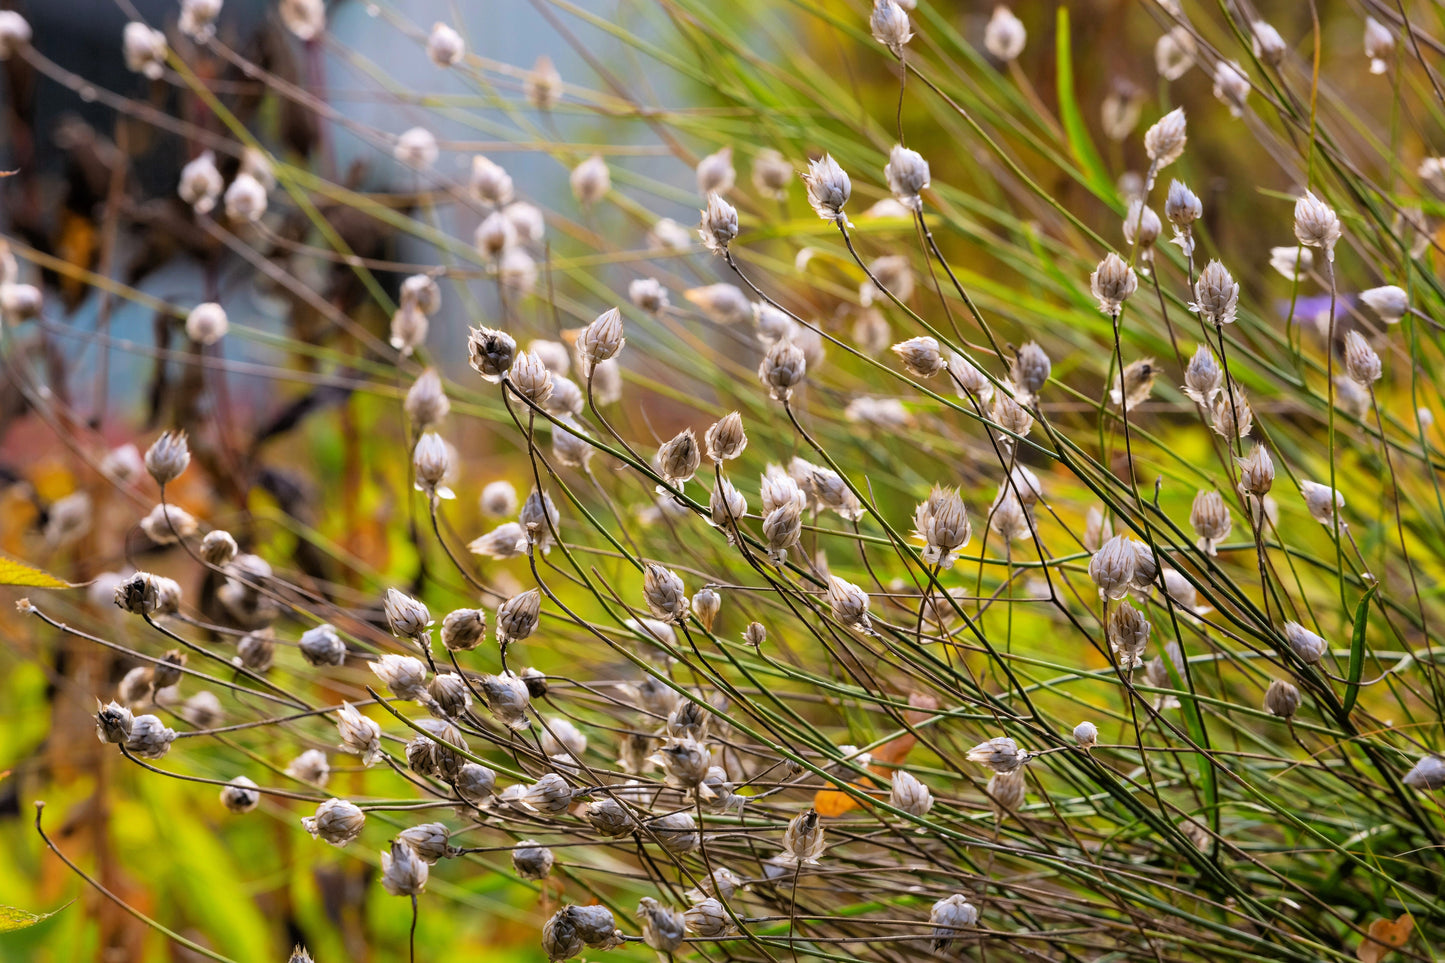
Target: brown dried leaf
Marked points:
1384	937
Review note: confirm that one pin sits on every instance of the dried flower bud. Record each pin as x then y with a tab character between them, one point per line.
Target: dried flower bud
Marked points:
1282	699
721	303
1232	415
1112	567
474	782
360	736
591	180
1427	774
706	603
167	672
663	927
1001	754
909	794
256	650
1210	518
310	767
1142	227
1112	282
1029	371
168	524
783	369
1316	224
783	528
1391	303
1086	735
828	185
649	295
202	710
1379	44
145	50
664	593
445	46
1308	646
1256	472
407	617
201	183
1006	792
889	23
337	821
531	860
1128	636
464	629
1322	501
168	457
726	439
403	871
679	458
1174	53
149	738
601	340
561	939
907	174
539	518
1269	46
1362	364
947	918
404	675
1182	206
531	378
505	541
719	224
240	795
803	840
920	356
218	548
416	147
543	84
245	199
849	605
507	697
1004	36
1216	294
517	617
1231	86
498	499
1164	142
114	723
941	520
1203	378
491	353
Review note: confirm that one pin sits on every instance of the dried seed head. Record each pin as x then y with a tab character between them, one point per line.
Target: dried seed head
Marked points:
948	917
663	927
783	528
679	458
310	767
1004	36
920	356
1232	415
907	175
531	377
1216	294
1306	645
909	794
550	795
601	340
1210	518
803	840
560	938
168	524
726	507
1322	501
649	295
1006	792
149	738
543	84
1256	472
1011	416
715	174
1379	44
1164	142
218	548
1029	371
1128	635
245	199
539	518
890	26
726	439
304	18
474	782
722	303
491	353
409	327
849	605
1362	364
1231	86
530	860
426	401
708	919
1292	262
337	821
433	463
1316	224
1427	774
1182	206
941	520
1112	282
145	50
445	46
783	369
201	183
1269	46
1391	303
1001	754
256	650
828	185
322	646
706	603
403	872
664	593
1133	385
407	617
449	695
771	174
1142	227
168	457
114	723
428	841
416	147
507	697
832	492
202	710
1112	567
1086	735
1282	699
1203	378
360	736
560	738
404	675
240	795
495	235
517	617
1174	53
755	635
591	180
719	224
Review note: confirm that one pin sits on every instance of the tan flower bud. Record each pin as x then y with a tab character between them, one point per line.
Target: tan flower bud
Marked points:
403	872
719	224
337	821
828	185
907	174
407	617
1112	282
1216	294
168	457
1210	518
218	548
113	723
1004	36
1308	646
909	794
491	353
890	26
310	767
591	180
518	616
543	84
948	917
1282	699
1086	734
149	738
359	735
783	369
1316	224
240	795
726	439
1362	364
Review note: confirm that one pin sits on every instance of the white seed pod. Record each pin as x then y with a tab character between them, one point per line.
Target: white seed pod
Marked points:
1308	646
149	738
1011	416
1174	53
601	340
322	646
726	438
828	187
771	174
1322	501
543	84
721	303
311	767
1427	774
474	783
416	147
403	872
531	377
1164	142
715	173
168	457
560	937
1086	735
494	235
668	235
201	183
948	917
337	821
569	447
648	294
404	675
1256	472
1112	567
909	794
122	464
518	616
726	506
706	603
433	463
1097	529
1209	517
145	50
428	841
531	860
1133	385
245	199
1004	36
360	736
1391	303
409	327
1379	44
591	180
941	520
449	695
168	524
539	518
664	593
803	840
527	221
498	499
444	45
1293	263
849	605
1316	224
426	401
783	368
491	353
561	738
920	356
1203	377
1128	636
304	18
1232	416
508	540
708	919
1029	371
907	175
1268	45
1142	227
1006	792
507	698
407	617
549	794
719	224
782	529
114	723
678	459
889	23
1282	699
1182	206
517	271
1112	282
1216	294
1001	754
663	927
1231	86
218	548
240	795
1362	364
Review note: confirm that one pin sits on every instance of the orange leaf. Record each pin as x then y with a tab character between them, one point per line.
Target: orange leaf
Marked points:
1384	937
833	802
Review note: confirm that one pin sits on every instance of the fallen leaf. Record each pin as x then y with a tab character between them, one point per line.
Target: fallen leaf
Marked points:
1384	937
13	573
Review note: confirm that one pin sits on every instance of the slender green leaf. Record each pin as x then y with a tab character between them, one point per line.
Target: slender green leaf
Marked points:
1079	141
1357	651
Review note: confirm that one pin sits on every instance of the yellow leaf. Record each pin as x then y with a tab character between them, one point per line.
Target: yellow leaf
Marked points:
13	573
1384	937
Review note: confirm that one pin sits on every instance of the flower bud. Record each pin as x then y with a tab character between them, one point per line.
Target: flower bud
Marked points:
1004	36
433	463
543	84
1282	699
1362	364
206	323
890	26
1112	282
491	353
907	174
664	593
1232	416
310	767
783	369
726	438
1322	501
149	738
591	180
706	603
531	860
1029	370
245	199
1231	86
464	629
517	617
601	340
407	617
201	183
1427	774
1001	754
1210	518
507	697
445	46
649	295
719	224
1391	303
1112	567
359	735
403	872
1308	646
663	927
1086	734
1128	636
428	841
1216	294
947	918
168	457
920	356
1269	46
240	795
1182	206
404	675
1316	224
942	522
849	605
114	723
679	458
337	821
531	378
909	794
416	147
474	782
1164	142
144	49
1256	472
202	710
218	548
828	186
